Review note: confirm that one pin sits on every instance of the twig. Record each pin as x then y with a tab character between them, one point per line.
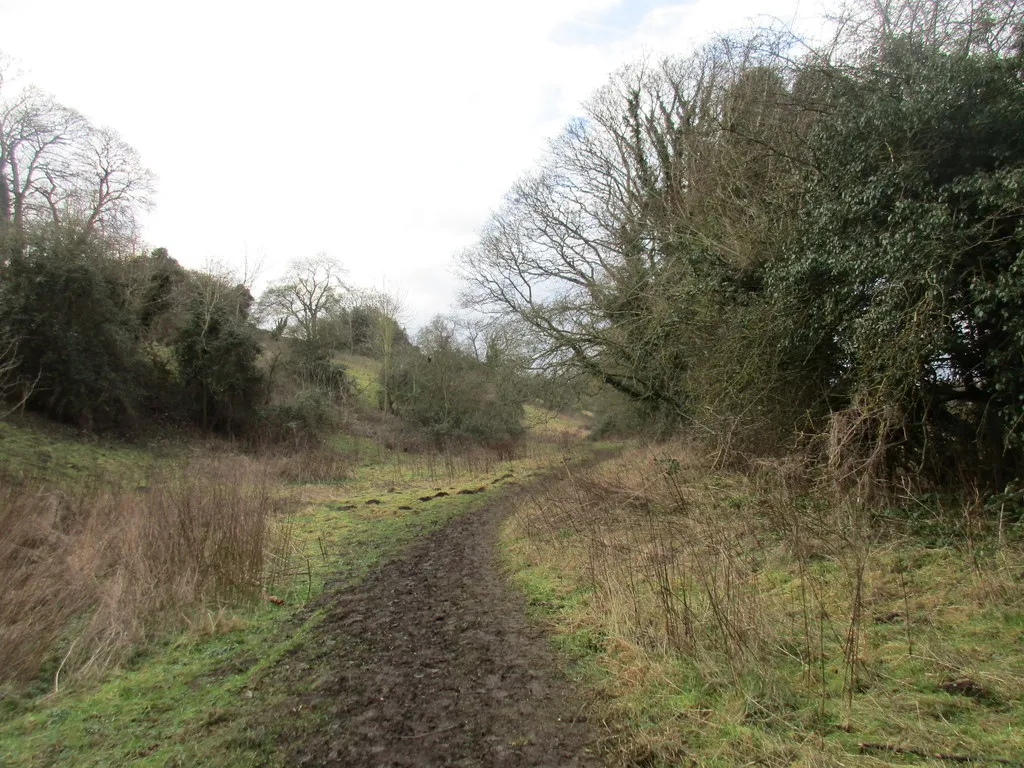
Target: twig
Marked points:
56	677
309	579
868	746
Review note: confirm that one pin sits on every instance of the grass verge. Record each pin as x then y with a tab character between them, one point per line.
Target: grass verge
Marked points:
721	621
90	573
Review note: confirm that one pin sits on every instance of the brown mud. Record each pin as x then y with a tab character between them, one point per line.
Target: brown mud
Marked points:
432	661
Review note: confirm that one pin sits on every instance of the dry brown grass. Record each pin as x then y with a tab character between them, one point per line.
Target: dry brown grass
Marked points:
455	462
671	572
323	465
745	605
86	574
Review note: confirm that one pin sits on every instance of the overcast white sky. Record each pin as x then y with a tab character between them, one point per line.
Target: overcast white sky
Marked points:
381	133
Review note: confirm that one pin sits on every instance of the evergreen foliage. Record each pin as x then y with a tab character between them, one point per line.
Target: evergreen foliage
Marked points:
907	276
216	354
112	343
76	340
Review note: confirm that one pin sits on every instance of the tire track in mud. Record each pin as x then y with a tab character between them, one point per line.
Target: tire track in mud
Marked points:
431	661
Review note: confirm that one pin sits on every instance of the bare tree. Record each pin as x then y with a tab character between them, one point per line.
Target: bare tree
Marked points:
55	166
964	26
439	334
13	387
647	214
35	135
108	187
305	296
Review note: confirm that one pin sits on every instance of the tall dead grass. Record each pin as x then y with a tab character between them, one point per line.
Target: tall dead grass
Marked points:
452	463
321	465
789	602
670	571
87	574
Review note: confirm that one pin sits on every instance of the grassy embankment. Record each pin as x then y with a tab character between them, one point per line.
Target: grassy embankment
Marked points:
179	682
727	619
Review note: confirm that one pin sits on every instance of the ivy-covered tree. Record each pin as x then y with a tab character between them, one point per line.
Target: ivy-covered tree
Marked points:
216	354
907	282
761	241
77	350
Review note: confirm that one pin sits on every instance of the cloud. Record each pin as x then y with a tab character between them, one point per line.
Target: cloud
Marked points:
381	133
601	26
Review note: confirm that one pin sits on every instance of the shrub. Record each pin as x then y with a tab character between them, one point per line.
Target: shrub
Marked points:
456	396
76	341
216	354
86	574
301	422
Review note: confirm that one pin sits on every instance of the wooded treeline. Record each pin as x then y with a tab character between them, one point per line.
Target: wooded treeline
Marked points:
99	331
784	247
121	342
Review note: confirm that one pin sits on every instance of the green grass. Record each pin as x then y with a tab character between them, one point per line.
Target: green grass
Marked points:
188	702
47	453
551	597
163	710
363	372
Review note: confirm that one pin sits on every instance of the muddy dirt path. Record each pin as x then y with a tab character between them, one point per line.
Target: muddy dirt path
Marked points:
431	661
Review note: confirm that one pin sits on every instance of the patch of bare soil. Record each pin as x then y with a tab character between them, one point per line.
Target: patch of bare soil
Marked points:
431	661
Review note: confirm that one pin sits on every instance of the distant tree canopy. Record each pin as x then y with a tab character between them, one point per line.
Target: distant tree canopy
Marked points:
443	385
57	168
361	326
762	241
304	301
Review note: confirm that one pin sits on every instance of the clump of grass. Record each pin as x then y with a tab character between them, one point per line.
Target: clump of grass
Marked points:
321	465
89	573
733	618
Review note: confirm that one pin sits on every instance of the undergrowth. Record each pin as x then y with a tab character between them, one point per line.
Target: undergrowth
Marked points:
90	572
732	619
